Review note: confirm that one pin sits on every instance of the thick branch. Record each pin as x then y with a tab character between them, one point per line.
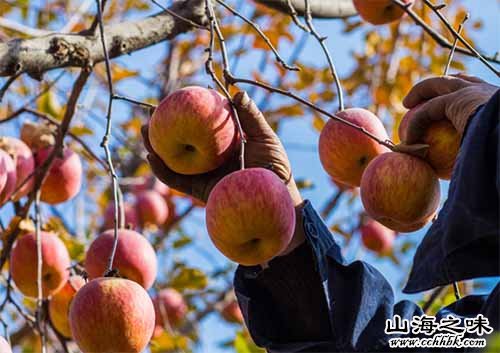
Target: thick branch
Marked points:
319	8
37	55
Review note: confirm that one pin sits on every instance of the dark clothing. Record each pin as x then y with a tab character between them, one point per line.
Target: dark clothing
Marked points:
313	301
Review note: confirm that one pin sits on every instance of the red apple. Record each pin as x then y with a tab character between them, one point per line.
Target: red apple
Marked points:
25	164
344	151
231	312
443	140
151	208
250	216
64	178
112	315
151	183
55	264
4	346
131	218
379	12
377	237
59	305
8	178
135	258
400	191
192	130
170	309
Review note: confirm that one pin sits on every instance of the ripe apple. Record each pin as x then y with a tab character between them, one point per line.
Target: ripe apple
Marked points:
64	178
112	315
379	12
170	309
151	183
4	346
59	305
250	216
193	130
151	208
344	151
8	178
55	264
131	217
443	140
25	164
231	312
377	237
135	258
400	191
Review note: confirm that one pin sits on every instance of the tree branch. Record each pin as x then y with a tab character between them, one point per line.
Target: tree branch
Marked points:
38	55
319	8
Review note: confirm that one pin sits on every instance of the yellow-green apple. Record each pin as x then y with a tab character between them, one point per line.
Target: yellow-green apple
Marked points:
250	216
193	130
344	151
4	346
135	258
231	312
55	264
59	305
379	12
112	315
377	237
8	176
443	140
64	178
25	164
170	309
151	208
131	218
400	191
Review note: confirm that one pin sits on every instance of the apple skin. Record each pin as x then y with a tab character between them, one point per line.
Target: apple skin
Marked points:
400	191
9	176
25	164
151	183
231	312
135	258
443	140
64	178
170	309
23	264
377	237
131	217
250	216
379	12
4	346
112	315
345	152
59	305
151	208
193	130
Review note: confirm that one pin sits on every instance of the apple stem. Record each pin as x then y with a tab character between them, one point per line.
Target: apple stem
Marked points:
39	267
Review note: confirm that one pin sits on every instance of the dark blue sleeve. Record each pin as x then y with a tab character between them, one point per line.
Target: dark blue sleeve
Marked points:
313	301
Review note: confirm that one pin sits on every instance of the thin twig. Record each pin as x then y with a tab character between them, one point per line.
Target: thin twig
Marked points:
39	267
295	16
187	20
455	42
7	84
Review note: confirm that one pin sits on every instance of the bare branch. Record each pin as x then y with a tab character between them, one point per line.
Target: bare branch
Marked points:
319	8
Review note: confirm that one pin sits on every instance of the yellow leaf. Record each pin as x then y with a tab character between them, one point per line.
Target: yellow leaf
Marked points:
318	122
188	278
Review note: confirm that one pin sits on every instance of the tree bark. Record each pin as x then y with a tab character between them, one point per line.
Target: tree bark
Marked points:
37	55
319	8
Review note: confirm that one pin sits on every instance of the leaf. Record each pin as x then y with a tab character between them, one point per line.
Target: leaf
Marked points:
417	150
318	123
81	131
188	278
49	104
244	344
169	342
182	242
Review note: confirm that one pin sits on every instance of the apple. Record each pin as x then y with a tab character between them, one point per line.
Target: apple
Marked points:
193	130
64	178
231	312
4	346
170	309
151	208
112	315
400	191
377	237
59	305
151	183
344	151
25	164
131	217
379	12
443	140
55	264
250	216
135	258
8	177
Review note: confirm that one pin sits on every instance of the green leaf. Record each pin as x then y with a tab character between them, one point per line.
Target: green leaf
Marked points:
182	242
188	278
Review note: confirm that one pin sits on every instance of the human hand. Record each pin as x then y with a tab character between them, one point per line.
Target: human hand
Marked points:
454	98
